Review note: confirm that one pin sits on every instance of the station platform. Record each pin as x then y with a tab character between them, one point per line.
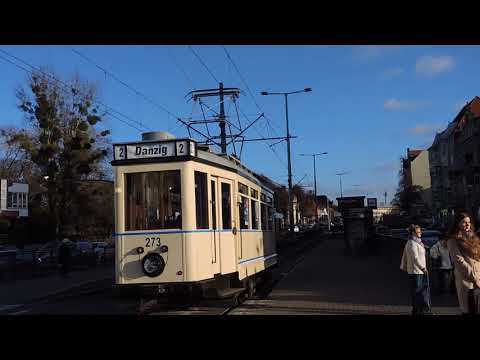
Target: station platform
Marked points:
327	282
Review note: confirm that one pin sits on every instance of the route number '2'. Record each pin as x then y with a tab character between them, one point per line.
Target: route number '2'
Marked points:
121	153
181	146
151	242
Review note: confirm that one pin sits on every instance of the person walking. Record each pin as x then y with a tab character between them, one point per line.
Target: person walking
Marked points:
414	262
64	257
443	266
464	247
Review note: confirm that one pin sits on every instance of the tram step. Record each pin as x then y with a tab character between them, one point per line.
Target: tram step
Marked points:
230	292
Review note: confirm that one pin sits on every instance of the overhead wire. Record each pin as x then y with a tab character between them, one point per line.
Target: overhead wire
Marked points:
246	85
109	109
255	102
130	87
203	63
182	70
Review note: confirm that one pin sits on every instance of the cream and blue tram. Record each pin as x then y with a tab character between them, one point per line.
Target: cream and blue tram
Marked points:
186	216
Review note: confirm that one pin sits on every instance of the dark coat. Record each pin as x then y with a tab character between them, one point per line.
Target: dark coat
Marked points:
64	254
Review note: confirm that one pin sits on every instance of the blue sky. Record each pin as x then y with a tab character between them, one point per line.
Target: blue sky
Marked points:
368	104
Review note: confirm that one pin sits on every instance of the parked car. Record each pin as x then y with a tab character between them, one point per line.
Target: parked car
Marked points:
430	237
104	252
81	251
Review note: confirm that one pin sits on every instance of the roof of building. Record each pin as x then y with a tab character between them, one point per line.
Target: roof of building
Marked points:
412	154
471	108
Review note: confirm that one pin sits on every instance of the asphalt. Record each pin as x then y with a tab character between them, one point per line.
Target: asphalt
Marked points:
328	282
17	293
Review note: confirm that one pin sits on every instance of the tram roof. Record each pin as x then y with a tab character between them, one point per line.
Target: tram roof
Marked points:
222	160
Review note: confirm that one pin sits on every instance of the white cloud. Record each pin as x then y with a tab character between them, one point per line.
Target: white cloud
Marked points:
430	66
370	52
395	104
393	72
425	129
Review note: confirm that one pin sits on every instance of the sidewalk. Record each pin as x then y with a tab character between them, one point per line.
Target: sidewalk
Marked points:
328	282
25	291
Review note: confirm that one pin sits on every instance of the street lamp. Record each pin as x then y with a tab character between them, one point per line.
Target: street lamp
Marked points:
315	180
290	204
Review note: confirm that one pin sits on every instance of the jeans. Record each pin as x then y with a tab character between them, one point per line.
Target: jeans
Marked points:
420	294
444	281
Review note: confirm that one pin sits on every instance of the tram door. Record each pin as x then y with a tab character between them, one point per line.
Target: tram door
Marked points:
214	213
224	237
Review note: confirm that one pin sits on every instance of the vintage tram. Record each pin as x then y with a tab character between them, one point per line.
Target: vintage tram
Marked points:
189	219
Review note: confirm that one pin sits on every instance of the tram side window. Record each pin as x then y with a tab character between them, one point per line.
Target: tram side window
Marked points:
254	214
226	207
153	200
201	199
243	207
263	213
270	218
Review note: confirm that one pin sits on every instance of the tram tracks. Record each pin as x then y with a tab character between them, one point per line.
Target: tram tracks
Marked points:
289	259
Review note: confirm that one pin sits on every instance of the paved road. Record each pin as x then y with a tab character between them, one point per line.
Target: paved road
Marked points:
328	282
322	282
21	296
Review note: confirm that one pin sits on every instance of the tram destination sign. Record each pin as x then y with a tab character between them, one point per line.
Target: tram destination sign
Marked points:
159	149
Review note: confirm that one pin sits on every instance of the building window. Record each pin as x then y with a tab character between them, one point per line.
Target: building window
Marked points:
153	201
14	200
254	193
201	200
254	214
244	213
226	207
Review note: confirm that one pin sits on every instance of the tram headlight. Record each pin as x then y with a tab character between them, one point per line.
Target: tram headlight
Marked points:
153	264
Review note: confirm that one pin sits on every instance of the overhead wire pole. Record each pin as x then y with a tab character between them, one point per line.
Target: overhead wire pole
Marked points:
290	203
315	180
340	175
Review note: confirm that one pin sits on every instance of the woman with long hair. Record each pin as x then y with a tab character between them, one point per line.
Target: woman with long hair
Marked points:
464	247
415	264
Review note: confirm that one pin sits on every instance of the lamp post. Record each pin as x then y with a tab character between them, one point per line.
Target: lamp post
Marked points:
315	180
290	204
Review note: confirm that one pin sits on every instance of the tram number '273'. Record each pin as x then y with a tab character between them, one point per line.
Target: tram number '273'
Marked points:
151	242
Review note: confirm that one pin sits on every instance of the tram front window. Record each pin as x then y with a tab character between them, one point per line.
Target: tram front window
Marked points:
153	201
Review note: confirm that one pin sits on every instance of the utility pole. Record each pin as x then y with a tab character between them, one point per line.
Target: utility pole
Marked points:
385	198
221	118
315	180
340	175
290	188
221	92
